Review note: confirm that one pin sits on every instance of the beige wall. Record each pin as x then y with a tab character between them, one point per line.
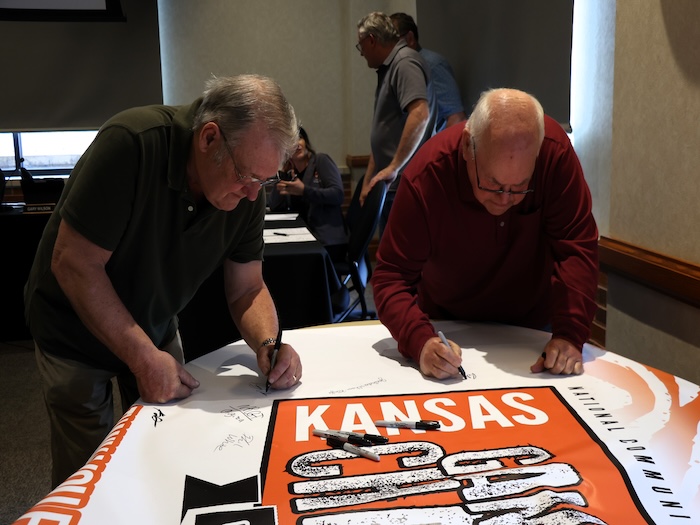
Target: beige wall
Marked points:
656	130
308	46
637	135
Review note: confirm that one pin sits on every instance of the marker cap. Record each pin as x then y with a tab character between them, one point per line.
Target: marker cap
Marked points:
427	424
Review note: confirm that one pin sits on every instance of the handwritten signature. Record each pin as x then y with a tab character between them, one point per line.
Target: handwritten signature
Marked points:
359	387
157	416
243	413
234	440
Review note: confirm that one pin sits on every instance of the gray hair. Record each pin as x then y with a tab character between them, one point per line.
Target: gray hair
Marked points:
490	108
380	25
236	103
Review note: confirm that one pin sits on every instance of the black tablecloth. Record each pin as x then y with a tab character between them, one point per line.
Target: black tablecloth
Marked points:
300	277
20	236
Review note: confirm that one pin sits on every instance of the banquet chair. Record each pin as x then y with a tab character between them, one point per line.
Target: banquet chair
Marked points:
356	270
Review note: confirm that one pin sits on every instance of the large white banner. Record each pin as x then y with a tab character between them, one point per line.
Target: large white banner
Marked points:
618	444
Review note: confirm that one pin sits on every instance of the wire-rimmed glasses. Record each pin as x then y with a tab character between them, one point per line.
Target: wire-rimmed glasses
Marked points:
497	192
248	179
358	46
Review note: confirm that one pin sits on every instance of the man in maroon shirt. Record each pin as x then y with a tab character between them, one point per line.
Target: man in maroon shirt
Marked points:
492	222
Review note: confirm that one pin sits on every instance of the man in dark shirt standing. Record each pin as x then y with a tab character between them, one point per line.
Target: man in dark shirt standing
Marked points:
162	197
404	104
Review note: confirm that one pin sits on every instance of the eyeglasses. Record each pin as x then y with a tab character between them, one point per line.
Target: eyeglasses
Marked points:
497	192
357	46
248	179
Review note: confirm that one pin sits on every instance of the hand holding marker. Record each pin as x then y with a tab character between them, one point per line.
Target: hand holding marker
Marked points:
275	351
447	344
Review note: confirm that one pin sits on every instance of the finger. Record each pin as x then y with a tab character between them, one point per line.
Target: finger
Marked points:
571	366
287	367
188	379
182	391
286	380
538	366
578	368
453	357
442	368
557	368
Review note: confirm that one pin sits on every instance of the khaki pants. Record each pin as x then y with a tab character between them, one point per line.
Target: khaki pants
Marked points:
80	406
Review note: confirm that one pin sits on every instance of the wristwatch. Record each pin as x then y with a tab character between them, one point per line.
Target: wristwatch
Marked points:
268	341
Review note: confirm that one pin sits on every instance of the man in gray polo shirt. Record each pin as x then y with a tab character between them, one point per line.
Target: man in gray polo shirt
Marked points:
162	197
405	106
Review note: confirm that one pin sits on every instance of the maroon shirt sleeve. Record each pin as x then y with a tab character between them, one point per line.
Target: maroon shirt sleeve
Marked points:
573	238
406	245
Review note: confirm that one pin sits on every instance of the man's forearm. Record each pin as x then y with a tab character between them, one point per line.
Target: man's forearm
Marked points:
255	315
78	266
413	130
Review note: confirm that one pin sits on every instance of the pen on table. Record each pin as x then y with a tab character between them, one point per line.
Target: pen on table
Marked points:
444	342
275	351
335	443
280	233
423	424
347	438
373	438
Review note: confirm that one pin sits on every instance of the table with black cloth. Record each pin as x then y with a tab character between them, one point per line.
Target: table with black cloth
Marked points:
299	275
21	233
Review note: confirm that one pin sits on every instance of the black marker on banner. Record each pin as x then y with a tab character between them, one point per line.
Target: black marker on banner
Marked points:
348	438
335	443
423	424
373	438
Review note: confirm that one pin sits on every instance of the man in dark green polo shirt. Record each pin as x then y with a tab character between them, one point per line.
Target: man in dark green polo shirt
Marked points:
162	197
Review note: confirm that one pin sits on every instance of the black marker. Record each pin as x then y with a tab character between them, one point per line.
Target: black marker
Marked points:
280	233
335	443
347	437
275	351
372	438
423	424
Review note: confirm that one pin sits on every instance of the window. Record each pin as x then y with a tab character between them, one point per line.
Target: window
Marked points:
7	152
43	153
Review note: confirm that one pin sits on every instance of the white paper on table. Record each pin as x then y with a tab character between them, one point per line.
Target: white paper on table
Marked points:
274	235
281	216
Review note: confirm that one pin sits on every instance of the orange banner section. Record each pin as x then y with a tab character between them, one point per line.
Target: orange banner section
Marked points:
498	452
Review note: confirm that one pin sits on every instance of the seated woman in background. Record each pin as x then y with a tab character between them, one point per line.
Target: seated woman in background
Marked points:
315	190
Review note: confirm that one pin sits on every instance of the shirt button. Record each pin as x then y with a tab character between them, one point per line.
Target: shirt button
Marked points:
190	208
502	224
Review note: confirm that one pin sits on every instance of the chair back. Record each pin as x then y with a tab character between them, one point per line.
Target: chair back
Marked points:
363	220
